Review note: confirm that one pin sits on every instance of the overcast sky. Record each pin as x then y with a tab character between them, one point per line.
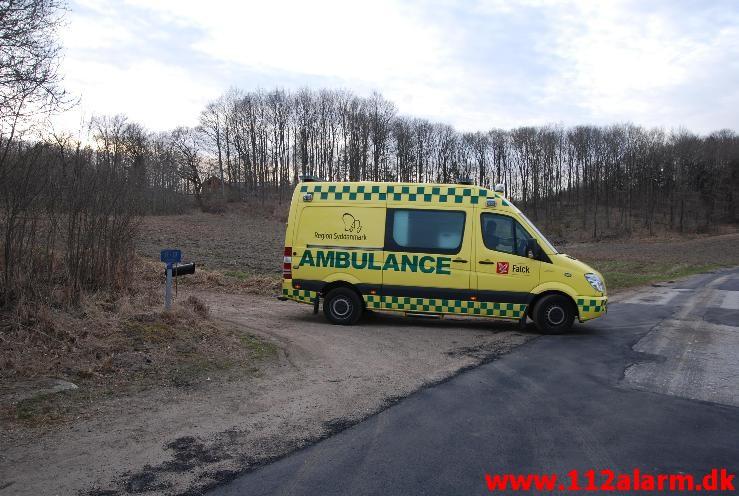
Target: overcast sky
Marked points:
476	65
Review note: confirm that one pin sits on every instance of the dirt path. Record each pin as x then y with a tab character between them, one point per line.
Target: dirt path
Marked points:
326	377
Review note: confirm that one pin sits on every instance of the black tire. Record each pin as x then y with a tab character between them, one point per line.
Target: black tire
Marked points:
554	314
342	306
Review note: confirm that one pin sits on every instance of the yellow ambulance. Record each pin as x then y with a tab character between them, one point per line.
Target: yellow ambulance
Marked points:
429	249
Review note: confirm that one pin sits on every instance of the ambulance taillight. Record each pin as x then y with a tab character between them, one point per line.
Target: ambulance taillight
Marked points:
287	263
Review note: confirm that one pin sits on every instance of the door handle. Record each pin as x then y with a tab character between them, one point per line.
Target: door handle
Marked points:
486	262
459	260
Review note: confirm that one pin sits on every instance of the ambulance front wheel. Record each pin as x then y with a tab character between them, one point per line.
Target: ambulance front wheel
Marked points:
342	306
554	314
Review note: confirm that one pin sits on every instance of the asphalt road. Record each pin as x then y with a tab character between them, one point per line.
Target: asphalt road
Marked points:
654	385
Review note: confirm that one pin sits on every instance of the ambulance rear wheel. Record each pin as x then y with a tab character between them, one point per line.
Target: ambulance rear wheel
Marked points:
342	306
554	314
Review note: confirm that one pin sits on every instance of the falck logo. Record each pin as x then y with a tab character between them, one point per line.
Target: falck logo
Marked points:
502	268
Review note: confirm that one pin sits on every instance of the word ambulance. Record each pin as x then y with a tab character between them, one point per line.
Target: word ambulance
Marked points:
358	260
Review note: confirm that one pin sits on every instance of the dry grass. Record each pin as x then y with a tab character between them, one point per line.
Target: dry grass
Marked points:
633	262
115	345
246	239
232	281
238	251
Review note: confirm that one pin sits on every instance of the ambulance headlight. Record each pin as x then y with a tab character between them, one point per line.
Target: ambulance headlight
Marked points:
595	282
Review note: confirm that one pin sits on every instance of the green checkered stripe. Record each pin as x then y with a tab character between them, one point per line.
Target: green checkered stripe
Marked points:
350	192
300	295
590	308
439	305
381	192
436	194
586	305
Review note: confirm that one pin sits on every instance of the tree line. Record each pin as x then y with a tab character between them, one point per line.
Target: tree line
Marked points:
606	180
615	178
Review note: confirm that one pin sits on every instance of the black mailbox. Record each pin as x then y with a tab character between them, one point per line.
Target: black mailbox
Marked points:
182	269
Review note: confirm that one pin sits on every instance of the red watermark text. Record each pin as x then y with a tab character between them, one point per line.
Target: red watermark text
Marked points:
609	480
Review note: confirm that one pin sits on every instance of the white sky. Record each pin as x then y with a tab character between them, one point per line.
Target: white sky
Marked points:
476	65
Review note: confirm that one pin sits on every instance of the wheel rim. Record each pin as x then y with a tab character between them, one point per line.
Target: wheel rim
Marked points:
555	315
341	307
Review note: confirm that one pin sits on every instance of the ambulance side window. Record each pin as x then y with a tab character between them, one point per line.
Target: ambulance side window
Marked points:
424	231
505	234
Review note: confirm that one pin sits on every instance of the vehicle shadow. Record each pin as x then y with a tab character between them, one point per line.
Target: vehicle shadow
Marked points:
372	319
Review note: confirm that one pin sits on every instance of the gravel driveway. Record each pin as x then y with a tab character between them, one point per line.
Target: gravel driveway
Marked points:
326	378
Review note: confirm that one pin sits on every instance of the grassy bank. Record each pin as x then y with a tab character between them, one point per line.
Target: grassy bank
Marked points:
622	274
634	262
112	346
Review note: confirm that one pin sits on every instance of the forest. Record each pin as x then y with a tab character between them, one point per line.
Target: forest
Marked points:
616	178
622	175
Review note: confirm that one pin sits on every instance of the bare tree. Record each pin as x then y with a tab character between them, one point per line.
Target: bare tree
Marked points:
188	159
213	121
29	74
381	113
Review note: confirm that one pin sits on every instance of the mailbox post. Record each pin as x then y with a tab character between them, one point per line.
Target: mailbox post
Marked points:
169	257
168	289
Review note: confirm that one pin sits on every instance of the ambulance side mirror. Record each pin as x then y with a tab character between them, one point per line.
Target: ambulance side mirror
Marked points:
533	250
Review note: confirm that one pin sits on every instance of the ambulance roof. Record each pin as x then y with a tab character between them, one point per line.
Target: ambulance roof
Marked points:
366	191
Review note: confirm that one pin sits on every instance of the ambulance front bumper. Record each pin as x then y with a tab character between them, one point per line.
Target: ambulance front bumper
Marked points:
591	307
